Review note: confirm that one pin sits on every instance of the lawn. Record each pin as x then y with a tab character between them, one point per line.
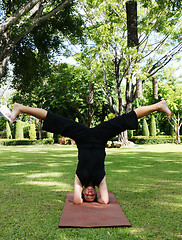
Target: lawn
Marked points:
146	181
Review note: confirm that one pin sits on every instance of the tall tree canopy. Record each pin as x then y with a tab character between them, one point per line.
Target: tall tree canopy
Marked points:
160	40
31	31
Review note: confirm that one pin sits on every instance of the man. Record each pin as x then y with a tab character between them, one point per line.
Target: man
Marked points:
91	144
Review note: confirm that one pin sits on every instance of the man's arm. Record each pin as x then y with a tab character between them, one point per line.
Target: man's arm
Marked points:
104	195
78	191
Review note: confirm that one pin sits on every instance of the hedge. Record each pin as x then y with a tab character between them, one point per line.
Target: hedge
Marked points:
14	142
134	139
152	140
45	141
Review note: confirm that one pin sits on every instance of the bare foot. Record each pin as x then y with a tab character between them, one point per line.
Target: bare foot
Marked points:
164	108
15	112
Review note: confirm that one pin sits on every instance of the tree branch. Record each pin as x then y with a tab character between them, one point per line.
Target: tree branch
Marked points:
54	11
155	49
164	60
35	21
9	21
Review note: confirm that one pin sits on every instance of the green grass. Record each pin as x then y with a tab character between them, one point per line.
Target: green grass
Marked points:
146	181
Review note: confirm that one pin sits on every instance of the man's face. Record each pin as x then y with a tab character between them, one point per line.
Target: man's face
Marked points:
89	194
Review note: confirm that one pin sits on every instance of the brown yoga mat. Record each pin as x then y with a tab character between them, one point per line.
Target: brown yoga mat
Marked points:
93	214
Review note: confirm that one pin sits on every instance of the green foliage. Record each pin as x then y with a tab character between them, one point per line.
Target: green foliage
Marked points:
169	88
50	135
15	142
32	131
19	130
2	123
152	140
153	126
172	131
145	129
32	54
110	116
130	134
8	131
2	134
159	29
45	141
66	92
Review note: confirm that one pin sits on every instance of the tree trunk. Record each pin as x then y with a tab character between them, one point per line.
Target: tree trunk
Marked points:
129	107
132	41
176	125
131	11
139	88
155	88
178	135
91	101
40	129
178	128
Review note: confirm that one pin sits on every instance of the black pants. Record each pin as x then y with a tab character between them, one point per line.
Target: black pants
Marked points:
91	142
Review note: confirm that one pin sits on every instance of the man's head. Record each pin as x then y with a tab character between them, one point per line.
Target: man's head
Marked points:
89	194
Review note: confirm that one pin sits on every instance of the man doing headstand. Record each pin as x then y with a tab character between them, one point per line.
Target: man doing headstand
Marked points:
91	143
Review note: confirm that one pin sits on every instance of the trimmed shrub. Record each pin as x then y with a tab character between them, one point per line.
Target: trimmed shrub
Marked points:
153	130
8	131
152	140
145	129
32	131
130	134
45	141
50	135
15	142
19	130
2	134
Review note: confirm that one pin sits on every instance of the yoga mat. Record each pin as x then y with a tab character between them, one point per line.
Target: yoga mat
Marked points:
93	214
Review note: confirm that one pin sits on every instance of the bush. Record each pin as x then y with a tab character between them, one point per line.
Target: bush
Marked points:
2	134
152	140
14	142
45	141
130	133
19	130
8	131
32	131
50	135
145	129
153	131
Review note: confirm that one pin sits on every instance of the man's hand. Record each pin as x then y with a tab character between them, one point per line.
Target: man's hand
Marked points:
104	195
78	201
101	201
78	191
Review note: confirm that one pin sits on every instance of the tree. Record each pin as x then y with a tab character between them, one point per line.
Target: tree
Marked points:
68	91
106	29
30	30
170	89
173	95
